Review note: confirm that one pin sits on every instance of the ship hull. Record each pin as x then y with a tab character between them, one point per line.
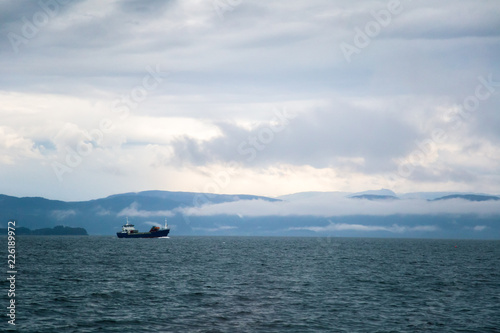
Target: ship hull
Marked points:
156	234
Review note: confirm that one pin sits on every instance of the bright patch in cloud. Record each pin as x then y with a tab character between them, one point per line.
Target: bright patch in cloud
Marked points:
134	211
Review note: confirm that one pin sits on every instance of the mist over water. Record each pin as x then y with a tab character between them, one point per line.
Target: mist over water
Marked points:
255	284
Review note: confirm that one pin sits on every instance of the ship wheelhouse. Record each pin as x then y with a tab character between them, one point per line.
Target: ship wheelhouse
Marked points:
129	228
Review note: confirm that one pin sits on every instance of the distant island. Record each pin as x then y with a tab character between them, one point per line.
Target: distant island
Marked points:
56	231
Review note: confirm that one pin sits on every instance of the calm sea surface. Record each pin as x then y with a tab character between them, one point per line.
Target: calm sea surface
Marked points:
247	284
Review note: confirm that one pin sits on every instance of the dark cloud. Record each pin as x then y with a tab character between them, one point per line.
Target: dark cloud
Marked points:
322	138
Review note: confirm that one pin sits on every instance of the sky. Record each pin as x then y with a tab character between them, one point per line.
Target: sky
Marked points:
255	97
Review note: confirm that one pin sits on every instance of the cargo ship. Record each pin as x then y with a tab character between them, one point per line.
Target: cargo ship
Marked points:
129	231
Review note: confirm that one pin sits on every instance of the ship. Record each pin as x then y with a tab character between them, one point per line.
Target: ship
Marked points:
129	231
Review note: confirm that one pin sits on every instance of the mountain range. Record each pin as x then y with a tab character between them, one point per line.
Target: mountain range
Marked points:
380	213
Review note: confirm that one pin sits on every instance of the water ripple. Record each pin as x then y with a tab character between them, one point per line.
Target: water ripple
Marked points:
239	284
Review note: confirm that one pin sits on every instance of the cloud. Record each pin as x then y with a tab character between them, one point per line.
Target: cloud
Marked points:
154	224
218	228
133	211
367	228
337	205
224	78
14	147
480	227
316	138
63	214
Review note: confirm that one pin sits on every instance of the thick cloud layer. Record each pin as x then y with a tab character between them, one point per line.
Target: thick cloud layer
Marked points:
324	95
327	205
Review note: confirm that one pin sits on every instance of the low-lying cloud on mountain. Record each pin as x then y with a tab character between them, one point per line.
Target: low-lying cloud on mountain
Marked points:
338	205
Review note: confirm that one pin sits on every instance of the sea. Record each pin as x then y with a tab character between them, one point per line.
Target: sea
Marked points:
252	284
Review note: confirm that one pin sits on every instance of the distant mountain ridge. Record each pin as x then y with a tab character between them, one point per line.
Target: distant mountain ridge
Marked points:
189	198
106	215
191	213
382	192
385	194
375	197
469	197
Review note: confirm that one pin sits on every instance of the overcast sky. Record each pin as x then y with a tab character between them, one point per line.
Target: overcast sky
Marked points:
238	96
